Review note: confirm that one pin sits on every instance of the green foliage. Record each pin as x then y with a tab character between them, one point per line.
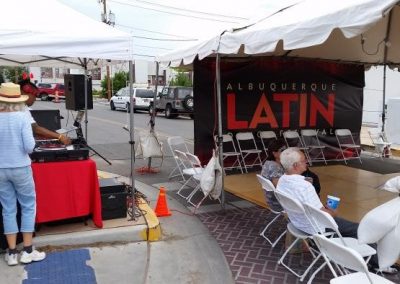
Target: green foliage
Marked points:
97	93
1	75
181	79
14	74
118	81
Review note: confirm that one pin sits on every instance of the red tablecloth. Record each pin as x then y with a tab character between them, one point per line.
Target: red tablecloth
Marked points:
67	190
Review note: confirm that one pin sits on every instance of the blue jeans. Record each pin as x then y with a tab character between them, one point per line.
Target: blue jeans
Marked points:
17	184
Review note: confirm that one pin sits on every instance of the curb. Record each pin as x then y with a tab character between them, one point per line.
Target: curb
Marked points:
112	235
150	231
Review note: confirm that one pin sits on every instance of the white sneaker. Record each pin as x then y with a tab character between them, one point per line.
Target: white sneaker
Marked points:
33	256
11	259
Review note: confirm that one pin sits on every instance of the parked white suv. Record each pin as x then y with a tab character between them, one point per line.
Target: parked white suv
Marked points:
141	99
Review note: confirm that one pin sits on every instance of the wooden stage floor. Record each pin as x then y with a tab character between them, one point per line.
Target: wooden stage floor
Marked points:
357	189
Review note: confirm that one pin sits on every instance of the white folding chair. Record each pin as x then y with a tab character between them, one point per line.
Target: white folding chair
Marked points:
196	164
177	143
266	137
348	258
313	147
293	139
191	171
322	220
293	207
230	153
248	148
346	143
381	144
198	171
273	206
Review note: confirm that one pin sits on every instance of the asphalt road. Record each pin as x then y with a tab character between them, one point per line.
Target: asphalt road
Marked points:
107	136
106	126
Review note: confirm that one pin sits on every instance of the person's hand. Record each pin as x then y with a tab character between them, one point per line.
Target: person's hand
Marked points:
64	139
332	212
309	179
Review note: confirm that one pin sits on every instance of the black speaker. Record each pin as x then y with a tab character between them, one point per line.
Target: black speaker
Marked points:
48	118
75	92
113	199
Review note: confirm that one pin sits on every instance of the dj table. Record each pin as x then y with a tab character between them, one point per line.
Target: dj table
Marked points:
67	190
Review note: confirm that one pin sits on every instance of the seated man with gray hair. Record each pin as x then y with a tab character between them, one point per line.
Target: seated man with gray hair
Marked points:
293	184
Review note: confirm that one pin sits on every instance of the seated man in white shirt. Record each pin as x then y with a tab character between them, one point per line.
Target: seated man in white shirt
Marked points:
292	183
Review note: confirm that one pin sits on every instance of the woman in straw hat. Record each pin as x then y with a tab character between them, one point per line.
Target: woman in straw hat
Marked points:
16	180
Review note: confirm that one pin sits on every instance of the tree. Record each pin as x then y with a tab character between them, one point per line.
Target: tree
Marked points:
14	74
181	79
118	81
1	75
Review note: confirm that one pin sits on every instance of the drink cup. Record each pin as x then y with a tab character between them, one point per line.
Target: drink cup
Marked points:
332	202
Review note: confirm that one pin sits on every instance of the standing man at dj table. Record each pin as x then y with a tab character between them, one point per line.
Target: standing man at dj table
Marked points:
29	89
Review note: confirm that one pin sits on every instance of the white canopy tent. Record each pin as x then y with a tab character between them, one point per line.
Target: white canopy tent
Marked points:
48	33
64	38
359	31
349	31
354	31
61	38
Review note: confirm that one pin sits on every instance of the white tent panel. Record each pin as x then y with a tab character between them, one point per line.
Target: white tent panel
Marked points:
349	31
27	38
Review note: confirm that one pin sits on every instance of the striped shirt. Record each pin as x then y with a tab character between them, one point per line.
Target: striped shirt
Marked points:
16	139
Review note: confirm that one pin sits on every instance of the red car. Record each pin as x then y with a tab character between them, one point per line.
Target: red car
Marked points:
47	91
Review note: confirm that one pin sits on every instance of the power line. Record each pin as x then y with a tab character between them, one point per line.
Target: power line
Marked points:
189	10
155	32
175	13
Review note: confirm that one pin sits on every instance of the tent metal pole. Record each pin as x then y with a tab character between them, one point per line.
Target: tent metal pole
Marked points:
132	139
384	98
153	113
219	114
86	98
385	52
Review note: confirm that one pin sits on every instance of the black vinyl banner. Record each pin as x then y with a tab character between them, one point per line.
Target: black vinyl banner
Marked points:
277	94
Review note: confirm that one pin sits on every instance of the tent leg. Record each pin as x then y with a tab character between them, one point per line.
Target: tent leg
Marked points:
134	212
219	114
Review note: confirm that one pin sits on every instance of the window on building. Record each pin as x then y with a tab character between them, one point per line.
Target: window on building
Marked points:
46	72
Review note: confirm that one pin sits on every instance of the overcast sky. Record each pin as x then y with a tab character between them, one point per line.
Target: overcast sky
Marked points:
159	26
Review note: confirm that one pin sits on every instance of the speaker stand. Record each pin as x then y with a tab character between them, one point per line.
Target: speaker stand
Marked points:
82	141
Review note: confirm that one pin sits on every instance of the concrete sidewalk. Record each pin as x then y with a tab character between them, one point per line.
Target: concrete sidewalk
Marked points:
187	253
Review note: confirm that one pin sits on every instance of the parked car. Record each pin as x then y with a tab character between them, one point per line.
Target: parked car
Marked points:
141	98
47	91
174	100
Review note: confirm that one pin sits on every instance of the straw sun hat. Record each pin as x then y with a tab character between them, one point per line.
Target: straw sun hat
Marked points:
11	93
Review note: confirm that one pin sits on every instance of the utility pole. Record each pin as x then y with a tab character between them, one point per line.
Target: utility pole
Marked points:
110	20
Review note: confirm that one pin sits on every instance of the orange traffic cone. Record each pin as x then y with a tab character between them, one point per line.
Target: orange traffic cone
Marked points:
162	207
57	98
